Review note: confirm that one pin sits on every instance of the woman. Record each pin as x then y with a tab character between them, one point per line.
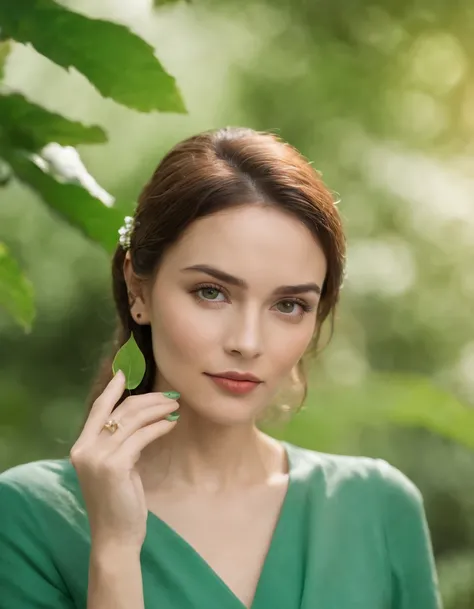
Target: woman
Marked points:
224	277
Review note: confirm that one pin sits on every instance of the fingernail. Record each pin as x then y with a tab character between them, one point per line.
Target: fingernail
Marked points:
120	374
172	417
173	395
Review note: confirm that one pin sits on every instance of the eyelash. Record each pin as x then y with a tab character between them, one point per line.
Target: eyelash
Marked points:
307	308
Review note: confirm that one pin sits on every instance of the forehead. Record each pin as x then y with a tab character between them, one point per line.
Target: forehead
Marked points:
251	242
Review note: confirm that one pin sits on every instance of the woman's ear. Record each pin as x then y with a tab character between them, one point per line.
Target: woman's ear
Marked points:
138	298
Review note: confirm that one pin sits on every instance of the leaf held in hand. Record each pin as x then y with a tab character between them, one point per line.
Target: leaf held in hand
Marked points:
130	360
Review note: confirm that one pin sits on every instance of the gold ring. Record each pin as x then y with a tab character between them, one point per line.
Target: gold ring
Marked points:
112	425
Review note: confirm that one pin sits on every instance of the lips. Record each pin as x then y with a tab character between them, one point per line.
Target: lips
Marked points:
238	387
237	376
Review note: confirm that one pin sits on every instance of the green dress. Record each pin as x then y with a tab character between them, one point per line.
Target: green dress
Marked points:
352	534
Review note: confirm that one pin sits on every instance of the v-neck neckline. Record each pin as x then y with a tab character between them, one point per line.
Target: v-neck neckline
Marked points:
154	520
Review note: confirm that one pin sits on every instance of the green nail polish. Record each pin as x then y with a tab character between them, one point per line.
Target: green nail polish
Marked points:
173	395
172	417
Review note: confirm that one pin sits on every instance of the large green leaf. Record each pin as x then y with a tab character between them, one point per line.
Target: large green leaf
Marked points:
116	61
71	202
333	412
26	125
16	291
4	50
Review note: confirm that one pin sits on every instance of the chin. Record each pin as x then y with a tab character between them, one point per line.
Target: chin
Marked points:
224	410
220	407
233	418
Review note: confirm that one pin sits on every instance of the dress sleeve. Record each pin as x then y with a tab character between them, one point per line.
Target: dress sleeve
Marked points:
28	577
413	571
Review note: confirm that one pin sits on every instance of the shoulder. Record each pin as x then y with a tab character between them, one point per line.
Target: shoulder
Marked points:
346	473
41	521
35	489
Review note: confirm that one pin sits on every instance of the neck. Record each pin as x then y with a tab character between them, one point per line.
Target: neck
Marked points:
198	453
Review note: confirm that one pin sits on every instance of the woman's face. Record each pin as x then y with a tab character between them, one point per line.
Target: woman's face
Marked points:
203	325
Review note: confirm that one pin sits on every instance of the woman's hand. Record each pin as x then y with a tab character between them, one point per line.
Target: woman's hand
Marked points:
105	463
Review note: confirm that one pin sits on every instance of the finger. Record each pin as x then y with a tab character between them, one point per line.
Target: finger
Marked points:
136	403
104	404
131	422
129	451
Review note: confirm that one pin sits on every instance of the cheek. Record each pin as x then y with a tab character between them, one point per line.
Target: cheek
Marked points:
186	336
285	353
284	357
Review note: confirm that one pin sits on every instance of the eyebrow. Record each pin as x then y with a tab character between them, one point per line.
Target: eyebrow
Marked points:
283	290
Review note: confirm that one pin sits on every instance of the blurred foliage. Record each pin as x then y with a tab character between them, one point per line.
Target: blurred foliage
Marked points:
379	95
159	3
125	69
16	292
4	50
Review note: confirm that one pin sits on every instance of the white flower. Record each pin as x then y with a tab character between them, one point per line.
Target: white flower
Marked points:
125	232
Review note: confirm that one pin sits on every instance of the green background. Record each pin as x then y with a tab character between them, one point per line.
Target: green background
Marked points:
379	95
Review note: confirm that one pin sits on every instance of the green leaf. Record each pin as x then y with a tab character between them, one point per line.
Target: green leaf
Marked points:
120	64
4	51
131	361
16	291
26	125
71	202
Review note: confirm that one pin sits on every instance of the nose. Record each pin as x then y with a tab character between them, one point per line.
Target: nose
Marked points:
245	334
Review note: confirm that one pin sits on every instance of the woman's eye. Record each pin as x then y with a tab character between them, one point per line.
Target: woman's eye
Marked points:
208	293
288	306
